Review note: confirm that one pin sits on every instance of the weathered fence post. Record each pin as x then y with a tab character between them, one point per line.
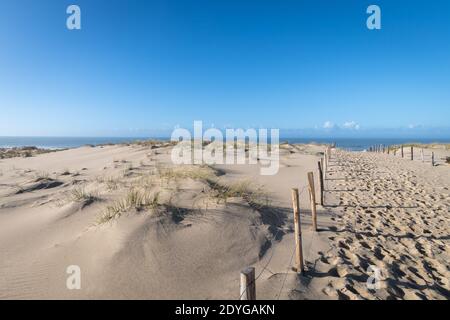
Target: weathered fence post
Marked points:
298	232
432	159
403	153
412	152
312	197
248	285
422	155
321	184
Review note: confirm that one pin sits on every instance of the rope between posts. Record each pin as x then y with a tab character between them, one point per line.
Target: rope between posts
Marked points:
290	261
285	277
270	259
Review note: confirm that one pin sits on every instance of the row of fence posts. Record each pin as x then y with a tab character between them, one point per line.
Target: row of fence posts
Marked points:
387	149
247	279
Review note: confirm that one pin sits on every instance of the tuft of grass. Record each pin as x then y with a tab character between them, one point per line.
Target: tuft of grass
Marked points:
135	199
255	197
188	172
110	182
80	194
41	175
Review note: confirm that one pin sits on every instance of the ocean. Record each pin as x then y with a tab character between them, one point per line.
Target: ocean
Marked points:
355	144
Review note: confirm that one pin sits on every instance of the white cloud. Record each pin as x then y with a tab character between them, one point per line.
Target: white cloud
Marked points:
328	125
351	125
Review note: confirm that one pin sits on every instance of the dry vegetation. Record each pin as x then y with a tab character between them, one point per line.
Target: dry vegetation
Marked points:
441	146
80	194
137	200
23	152
140	194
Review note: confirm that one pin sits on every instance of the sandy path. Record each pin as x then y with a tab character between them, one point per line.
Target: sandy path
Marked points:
394	215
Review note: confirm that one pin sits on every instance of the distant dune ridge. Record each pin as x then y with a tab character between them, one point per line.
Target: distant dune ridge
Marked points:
140	227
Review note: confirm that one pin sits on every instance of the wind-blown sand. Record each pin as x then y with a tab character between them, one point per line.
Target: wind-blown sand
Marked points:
141	228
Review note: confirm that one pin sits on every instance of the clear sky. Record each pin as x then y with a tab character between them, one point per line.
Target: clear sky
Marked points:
137	67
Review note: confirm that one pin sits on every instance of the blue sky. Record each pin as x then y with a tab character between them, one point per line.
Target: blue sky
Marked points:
139	68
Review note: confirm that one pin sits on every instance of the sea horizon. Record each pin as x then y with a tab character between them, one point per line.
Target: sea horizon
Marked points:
67	142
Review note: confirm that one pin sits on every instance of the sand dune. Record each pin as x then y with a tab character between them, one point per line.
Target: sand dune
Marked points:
141	228
76	207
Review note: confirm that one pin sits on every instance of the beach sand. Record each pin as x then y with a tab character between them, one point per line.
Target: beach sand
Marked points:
141	228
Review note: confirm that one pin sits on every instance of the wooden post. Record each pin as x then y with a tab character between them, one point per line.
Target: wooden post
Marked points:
248	286
422	155
298	232
432	159
321	184
403	154
388	149
312	197
412	153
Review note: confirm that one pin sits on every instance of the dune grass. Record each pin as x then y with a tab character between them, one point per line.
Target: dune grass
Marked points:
255	196
139	197
24	152
80	194
111	183
41	175
135	199
188	172
252	194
